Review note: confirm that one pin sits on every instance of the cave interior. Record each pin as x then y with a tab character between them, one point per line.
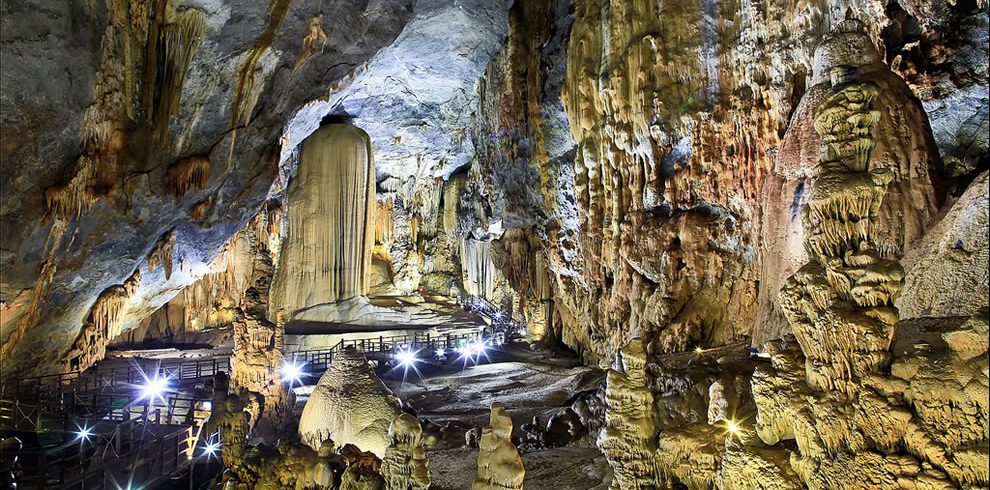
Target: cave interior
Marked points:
494	244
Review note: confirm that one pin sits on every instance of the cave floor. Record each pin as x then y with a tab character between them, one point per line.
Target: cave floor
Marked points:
530	384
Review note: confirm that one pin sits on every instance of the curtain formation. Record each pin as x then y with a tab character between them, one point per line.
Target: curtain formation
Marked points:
327	249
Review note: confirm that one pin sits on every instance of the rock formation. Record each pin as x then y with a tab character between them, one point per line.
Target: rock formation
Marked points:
404	466
326	252
628	436
903	144
349	405
499	464
135	98
852	422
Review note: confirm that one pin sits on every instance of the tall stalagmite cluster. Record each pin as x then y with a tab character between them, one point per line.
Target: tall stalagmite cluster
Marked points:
326	252
404	466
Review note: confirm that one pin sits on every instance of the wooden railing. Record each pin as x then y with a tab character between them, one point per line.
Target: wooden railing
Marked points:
59	390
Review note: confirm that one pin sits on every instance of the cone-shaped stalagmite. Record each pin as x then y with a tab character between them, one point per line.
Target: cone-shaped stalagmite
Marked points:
326	254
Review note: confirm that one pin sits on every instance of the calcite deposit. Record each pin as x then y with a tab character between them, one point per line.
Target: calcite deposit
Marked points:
499	465
763	224
349	405
326	253
404	466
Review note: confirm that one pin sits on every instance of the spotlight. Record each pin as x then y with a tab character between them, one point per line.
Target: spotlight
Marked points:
211	449
733	428
406	358
440	352
699	350
292	372
476	348
84	433
154	388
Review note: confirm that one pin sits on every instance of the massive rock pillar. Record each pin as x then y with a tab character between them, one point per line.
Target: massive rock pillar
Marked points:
902	143
326	253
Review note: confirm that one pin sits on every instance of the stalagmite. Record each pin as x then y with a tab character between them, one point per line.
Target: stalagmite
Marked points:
326	253
404	466
499	464
628	436
349	405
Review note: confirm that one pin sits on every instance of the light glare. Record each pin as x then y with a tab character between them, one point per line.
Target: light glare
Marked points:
154	388
292	372
406	358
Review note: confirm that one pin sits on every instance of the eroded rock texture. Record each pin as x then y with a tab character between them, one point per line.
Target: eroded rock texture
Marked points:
349	405
110	152
499	464
672	147
404	466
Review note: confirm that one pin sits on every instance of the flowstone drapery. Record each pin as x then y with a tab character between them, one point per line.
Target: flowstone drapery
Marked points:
326	252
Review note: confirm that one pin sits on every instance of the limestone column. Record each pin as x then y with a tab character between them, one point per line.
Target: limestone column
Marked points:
326	253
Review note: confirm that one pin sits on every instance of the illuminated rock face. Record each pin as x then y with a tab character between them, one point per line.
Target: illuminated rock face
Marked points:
326	252
404	466
902	143
349	405
138	119
841	304
851	422
499	464
628	436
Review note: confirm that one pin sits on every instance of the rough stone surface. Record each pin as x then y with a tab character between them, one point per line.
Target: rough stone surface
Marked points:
947	271
349	405
92	139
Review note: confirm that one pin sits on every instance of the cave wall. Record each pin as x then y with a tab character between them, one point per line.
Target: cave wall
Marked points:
657	152
154	120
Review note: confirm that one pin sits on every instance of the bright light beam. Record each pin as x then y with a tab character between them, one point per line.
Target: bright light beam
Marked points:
153	388
292	372
84	433
406	358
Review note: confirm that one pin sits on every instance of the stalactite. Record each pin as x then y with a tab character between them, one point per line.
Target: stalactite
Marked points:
326	253
199	210
452	190
103	324
384	222
177	44
39	293
479	274
315	41
426	206
190	173
245	92
162	254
